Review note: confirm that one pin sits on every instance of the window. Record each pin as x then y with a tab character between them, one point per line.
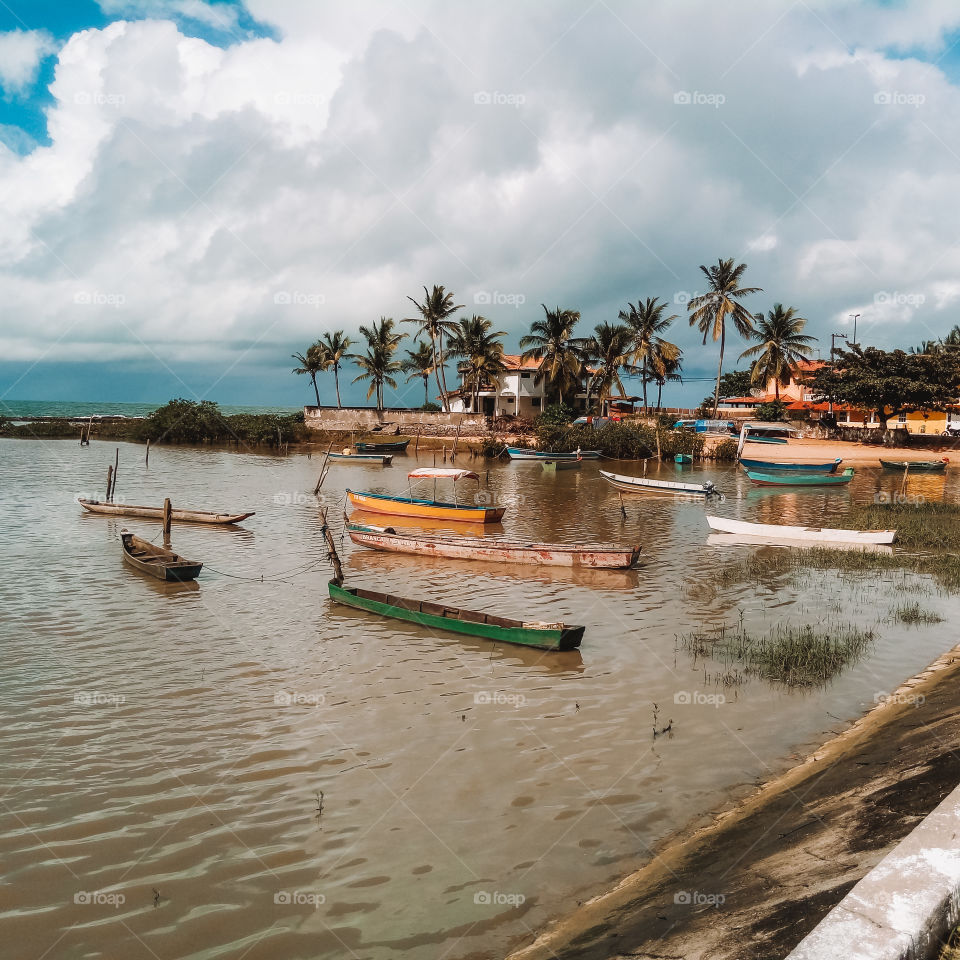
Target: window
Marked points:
536	402
524	376
902	418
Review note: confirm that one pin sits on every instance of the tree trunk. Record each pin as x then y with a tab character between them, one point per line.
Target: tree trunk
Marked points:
643	379
659	393
436	373
776	389
313	377
716	393
336	380
443	377
426	392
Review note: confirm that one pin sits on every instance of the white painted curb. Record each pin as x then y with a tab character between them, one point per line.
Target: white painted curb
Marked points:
905	906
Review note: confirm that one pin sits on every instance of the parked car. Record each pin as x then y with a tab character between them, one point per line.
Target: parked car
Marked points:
685	425
595	422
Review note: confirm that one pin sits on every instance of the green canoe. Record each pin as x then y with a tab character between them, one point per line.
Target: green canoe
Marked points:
552	636
927	466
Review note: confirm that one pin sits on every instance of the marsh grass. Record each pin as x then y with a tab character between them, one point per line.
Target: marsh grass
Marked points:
792	655
914	614
919	526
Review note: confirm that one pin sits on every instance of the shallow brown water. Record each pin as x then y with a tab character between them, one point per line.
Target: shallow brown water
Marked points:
163	748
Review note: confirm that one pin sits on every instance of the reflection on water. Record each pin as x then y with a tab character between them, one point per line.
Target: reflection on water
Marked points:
168	744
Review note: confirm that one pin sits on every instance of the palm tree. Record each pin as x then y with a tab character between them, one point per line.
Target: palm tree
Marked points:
378	363
434	321
781	344
482	352
312	363
647	322
666	369
710	311
550	342
335	346
419	363
609	348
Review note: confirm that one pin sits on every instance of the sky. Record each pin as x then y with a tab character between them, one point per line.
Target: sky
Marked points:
190	192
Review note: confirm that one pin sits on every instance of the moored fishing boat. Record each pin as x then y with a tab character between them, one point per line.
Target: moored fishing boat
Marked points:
525	453
157	561
779	531
593	555
382	446
683	458
916	466
399	506
385	458
552	466
827	466
643	485
527	633
785	478
156	513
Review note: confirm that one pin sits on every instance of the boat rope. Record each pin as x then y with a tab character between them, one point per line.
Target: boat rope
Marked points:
295	572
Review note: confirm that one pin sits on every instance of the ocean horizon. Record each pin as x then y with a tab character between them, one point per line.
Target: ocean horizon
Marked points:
87	408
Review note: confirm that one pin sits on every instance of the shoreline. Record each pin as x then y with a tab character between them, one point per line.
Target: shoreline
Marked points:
780	859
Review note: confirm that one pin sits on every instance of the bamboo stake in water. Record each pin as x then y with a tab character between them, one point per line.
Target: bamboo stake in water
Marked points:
147	461
334	558
116	468
167	518
109	480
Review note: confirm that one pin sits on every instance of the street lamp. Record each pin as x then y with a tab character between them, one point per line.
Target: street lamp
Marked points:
854	340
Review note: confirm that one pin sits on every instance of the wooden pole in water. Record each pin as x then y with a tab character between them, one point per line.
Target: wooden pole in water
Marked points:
116	468
146	462
167	518
332	547
109	479
456	440
323	470
623	509
657	433
416	446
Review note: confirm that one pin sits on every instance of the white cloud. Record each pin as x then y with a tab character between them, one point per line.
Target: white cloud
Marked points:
351	161
220	16
20	54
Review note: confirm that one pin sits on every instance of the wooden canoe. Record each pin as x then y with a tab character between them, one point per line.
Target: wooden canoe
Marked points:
526	453
157	561
156	513
382	446
552	466
594	555
385	458
785	478
543	636
431	509
827	466
643	485
918	466
779	531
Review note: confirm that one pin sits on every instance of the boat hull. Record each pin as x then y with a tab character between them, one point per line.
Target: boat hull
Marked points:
916	466
464	622
371	446
787	479
385	458
766	466
766	439
523	453
552	466
157	562
430	509
643	485
595	556
776	531
156	513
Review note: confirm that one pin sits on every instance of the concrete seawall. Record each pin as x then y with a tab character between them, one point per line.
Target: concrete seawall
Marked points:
404	421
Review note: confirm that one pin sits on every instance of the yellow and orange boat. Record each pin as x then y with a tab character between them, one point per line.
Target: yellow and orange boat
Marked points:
434	509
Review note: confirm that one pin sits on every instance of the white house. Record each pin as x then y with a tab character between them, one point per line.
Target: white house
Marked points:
516	392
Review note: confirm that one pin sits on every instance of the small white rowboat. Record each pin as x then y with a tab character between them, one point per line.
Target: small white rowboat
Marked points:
595	555
643	485
778	531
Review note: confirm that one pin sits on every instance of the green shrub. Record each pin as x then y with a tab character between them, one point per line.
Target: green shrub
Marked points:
431	407
186	421
726	450
622	441
771	412
557	414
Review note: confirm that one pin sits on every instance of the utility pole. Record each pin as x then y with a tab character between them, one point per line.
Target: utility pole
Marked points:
833	349
854	316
